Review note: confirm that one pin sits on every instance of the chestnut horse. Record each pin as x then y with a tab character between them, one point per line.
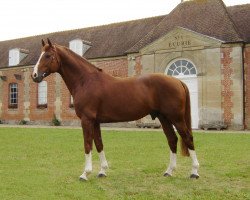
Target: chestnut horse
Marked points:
101	98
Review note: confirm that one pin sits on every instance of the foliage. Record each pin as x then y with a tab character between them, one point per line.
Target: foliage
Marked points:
46	164
56	121
23	122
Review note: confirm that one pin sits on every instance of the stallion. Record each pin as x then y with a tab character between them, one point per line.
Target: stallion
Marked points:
101	98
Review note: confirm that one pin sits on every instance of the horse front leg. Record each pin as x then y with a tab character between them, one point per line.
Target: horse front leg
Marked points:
99	148
88	131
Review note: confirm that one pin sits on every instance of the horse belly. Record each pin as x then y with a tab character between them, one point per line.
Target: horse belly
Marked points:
124	109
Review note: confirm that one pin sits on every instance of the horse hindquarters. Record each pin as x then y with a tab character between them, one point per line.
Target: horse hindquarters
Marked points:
178	113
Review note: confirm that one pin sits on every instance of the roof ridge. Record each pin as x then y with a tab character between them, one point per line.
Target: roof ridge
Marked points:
145	36
232	21
220	3
77	29
238	5
150	32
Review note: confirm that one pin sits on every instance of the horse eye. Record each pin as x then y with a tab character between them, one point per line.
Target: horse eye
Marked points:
47	56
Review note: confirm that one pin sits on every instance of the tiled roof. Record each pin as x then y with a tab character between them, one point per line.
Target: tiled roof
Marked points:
208	17
241	16
106	41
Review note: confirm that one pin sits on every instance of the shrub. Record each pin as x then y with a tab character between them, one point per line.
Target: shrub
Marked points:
23	122
55	121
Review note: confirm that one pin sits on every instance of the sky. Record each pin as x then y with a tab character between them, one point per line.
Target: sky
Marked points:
22	18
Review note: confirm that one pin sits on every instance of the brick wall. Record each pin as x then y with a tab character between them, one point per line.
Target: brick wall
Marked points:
12	114
227	82
116	67
42	114
58	96
138	66
68	112
247	86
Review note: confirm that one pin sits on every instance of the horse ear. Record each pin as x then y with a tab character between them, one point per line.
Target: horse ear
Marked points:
49	42
43	43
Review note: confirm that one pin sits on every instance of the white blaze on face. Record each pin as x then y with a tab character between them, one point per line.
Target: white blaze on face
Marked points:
35	71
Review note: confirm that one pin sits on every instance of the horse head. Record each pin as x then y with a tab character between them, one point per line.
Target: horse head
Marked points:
47	63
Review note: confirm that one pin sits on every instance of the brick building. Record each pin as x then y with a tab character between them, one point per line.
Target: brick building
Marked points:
203	43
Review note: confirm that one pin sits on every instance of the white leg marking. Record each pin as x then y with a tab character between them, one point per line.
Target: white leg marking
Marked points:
195	163
35	71
172	164
104	164
88	166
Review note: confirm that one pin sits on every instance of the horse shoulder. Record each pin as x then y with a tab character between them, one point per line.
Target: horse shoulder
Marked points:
88	99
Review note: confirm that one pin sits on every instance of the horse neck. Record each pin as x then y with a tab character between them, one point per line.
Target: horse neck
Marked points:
74	69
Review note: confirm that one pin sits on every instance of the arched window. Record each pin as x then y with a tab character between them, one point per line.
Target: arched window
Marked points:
13	95
42	94
181	68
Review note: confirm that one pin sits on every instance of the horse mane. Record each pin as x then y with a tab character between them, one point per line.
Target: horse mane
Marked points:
79	57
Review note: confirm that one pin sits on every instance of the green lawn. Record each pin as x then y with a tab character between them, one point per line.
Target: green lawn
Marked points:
46	163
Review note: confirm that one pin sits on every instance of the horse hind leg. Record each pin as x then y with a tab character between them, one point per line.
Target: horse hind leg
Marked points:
187	143
172	142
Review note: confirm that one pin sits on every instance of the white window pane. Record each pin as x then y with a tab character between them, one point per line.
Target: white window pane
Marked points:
13	94
181	67
14	57
42	93
76	46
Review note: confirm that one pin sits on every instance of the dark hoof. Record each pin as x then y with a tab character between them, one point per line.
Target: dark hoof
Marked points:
194	176
101	175
82	179
167	175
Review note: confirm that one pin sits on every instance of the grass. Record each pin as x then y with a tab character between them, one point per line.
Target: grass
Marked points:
46	164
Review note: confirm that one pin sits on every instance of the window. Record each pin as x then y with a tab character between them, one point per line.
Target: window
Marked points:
13	57
181	68
79	46
13	95
42	94
16	56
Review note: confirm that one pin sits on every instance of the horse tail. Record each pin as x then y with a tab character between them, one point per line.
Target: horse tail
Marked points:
184	148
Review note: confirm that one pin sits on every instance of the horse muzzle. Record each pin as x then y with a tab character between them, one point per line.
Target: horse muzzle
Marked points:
38	77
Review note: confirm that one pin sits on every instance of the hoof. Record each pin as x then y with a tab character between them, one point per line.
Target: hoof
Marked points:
101	175
167	175
194	176
83	179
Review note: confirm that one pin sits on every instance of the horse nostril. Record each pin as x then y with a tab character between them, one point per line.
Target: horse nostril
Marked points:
35	75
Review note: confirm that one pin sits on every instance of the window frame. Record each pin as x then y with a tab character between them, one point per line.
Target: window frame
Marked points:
179	70
41	104
11	96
